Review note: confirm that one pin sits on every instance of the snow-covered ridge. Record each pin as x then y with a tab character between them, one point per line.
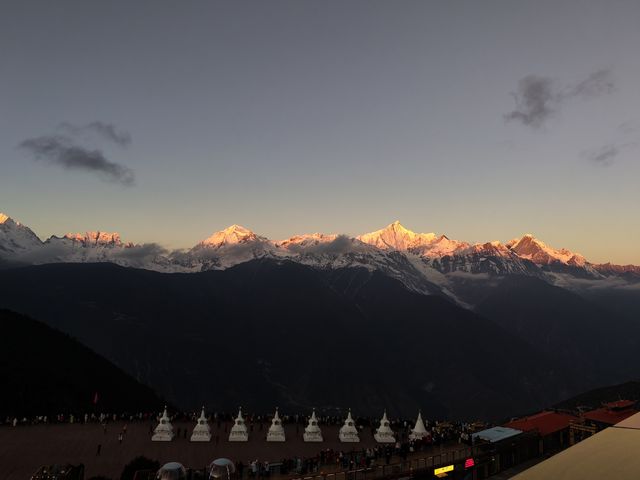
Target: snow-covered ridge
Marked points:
538	252
88	239
396	237
232	235
15	238
425	262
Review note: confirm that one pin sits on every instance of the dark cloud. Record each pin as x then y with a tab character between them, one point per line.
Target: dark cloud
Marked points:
603	156
140	253
539	98
535	101
47	253
340	245
107	131
61	150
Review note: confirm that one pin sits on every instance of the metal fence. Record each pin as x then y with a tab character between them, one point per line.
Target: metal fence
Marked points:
398	469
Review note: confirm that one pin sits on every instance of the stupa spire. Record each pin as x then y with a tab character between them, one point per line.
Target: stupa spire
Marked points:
164	431
419	430
239	432
201	432
312	432
276	431
349	432
384	434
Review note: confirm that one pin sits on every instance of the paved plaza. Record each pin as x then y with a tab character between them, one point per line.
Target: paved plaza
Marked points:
25	448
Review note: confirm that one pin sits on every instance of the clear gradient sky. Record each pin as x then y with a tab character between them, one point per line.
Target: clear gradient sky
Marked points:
336	116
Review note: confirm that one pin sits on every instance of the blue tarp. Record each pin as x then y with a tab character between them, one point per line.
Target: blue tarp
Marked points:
496	434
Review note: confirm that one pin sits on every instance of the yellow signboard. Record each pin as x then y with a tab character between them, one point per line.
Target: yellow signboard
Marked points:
441	470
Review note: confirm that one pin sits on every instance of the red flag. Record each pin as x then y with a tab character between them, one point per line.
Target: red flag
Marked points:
95	398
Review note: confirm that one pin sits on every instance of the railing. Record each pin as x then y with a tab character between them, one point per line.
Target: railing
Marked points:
392	470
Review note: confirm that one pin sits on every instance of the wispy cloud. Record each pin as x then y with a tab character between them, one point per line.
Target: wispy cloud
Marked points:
627	128
606	155
140	254
607	283
540	98
106	131
603	156
338	246
598	83
61	150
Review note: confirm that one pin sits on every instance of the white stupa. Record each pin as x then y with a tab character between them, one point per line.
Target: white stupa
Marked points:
276	431
239	431
312	432
201	432
419	431
384	434
349	432
164	430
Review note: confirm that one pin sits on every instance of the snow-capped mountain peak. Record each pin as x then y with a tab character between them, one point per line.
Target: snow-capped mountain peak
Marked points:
306	240
89	239
232	235
424	262
396	237
16	238
529	247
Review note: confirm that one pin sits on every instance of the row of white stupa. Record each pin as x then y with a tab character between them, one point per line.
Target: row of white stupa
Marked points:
312	432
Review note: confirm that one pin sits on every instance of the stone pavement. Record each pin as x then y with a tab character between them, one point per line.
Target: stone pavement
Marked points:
25	448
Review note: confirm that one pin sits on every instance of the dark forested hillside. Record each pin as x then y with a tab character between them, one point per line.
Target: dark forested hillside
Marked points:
264	333
45	372
593	343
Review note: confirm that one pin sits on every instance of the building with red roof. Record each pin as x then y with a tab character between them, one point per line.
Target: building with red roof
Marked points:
611	413
551	426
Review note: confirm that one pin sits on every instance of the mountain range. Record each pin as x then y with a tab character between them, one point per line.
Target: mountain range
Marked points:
390	319
424	262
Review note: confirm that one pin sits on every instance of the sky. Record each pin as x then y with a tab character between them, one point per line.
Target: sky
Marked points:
167	121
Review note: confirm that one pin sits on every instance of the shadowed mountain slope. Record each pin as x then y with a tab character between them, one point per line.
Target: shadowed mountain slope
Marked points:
45	372
268	333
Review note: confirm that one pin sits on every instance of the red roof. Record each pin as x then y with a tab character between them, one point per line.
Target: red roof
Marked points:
612	413
620	404
545	423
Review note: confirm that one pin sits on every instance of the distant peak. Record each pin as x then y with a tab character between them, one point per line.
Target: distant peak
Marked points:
231	235
95	238
237	229
397	226
531	248
530	238
395	236
7	220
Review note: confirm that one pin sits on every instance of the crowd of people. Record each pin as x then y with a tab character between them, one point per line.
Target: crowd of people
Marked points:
439	431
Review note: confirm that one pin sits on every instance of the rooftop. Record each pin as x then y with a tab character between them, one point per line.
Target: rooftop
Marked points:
611	453
613	412
496	434
545	423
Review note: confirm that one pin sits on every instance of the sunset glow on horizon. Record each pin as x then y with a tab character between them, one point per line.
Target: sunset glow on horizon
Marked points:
466	122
